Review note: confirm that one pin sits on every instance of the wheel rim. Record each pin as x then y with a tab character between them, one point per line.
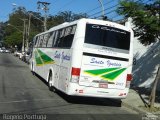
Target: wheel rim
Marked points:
50	81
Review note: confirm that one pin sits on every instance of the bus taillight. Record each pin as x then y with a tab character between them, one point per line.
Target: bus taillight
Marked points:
76	71
129	77
75	74
128	80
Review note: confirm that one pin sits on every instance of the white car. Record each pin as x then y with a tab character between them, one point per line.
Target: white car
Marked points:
1	50
17	54
7	51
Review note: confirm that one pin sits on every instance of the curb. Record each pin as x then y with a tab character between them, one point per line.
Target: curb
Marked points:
133	108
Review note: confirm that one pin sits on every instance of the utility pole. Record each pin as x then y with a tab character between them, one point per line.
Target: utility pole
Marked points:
102	8
24	34
46	9
28	32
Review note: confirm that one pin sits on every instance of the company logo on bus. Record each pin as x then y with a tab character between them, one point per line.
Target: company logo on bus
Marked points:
62	56
108	63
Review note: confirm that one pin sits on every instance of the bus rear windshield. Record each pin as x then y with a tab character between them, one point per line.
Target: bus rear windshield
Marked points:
107	36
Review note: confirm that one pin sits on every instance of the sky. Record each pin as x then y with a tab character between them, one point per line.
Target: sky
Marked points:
76	6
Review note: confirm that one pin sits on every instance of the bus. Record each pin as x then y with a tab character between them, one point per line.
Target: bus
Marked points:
86	57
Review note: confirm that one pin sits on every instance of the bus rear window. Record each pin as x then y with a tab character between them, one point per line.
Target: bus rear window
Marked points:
107	36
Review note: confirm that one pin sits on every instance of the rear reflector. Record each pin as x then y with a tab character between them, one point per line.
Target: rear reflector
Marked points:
121	94
80	91
76	71
75	79
129	77
128	84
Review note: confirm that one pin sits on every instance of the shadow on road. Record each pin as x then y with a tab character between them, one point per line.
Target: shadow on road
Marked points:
86	100
90	100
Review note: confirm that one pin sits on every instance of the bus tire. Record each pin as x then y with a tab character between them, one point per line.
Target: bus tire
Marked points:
50	83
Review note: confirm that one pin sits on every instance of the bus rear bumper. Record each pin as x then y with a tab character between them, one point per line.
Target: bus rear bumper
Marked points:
77	90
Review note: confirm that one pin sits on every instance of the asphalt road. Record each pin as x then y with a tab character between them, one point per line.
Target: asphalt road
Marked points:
23	93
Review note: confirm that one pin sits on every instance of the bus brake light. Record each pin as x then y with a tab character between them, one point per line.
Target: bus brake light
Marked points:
128	80
75	74
129	77
76	71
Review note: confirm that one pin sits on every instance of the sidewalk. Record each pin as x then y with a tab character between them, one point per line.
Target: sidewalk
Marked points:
135	99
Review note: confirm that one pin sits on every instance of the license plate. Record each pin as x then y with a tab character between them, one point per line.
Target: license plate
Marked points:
103	85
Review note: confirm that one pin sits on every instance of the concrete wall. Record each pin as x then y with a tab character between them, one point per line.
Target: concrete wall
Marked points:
147	60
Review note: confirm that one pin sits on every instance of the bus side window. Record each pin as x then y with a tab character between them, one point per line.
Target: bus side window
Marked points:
45	40
35	41
68	37
50	40
57	38
61	35
38	41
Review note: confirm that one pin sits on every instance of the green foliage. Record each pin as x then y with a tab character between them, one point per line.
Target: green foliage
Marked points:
66	16
14	39
14	32
15	26
1	31
145	18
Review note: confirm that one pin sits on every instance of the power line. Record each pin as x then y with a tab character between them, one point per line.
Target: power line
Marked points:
66	5
104	10
108	13
99	6
114	9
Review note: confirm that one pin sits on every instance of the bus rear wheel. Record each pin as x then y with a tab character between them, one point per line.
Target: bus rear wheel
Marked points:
50	83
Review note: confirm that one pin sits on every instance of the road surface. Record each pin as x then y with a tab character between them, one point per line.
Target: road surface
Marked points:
23	93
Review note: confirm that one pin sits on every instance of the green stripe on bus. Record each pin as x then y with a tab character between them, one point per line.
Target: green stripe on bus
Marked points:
41	58
107	74
46	59
38	60
111	76
100	71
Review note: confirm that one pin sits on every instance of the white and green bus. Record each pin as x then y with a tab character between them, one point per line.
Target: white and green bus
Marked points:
86	57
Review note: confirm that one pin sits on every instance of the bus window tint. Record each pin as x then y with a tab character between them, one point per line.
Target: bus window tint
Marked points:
38	41
50	39
35	41
68	36
64	37
57	38
45	40
107	36
60	38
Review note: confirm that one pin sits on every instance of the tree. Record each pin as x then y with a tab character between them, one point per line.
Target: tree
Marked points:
146	18
1	31
65	16
14	39
36	24
14	32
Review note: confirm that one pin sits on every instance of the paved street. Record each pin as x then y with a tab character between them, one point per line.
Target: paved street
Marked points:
21	92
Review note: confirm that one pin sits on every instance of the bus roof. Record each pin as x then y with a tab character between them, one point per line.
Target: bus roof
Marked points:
87	20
